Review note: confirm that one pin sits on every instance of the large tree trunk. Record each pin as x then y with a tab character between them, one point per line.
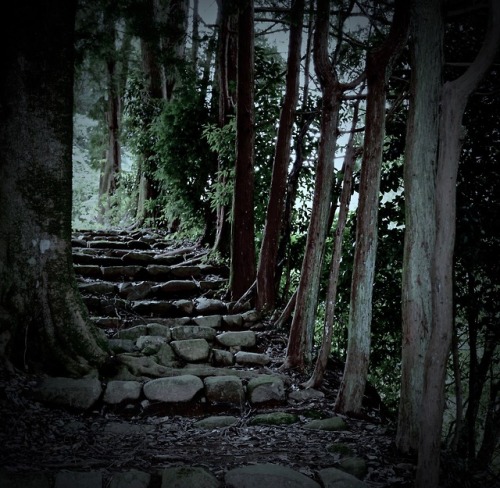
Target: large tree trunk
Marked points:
419	171
453	103
333	278
266	273
242	231
299	348
378	67
42	314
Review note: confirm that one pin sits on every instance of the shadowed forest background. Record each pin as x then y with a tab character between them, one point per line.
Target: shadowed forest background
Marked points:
340	157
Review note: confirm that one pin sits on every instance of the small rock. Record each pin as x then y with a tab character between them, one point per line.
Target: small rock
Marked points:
274	418
233	321
216	422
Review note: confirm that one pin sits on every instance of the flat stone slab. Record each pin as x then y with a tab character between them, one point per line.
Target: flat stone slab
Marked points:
69	392
146	307
214	321
130	479
216	422
173	287
133	333
118	272
135	291
233	321
336	478
188	477
174	389
243	357
222	357
266	388
207	306
244	338
224	389
267	475
191	350
333	423
193	332
120	391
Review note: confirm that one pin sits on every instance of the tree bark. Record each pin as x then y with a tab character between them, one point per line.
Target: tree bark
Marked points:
227	56
266	272
453	103
331	294
42	313
419	179
299	348
378	67
242	232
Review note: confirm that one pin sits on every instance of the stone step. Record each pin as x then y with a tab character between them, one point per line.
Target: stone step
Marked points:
185	476
152	272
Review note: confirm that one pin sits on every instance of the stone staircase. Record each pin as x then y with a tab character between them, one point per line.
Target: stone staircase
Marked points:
176	341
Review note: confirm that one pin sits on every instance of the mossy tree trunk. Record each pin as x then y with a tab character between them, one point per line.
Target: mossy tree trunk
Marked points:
43	321
378	68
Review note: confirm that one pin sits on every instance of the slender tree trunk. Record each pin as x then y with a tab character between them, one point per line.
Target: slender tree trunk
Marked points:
227	56
266	273
378	67
453	103
491	427
300	339
304	123
333	278
419	180
243	233
41	311
195	41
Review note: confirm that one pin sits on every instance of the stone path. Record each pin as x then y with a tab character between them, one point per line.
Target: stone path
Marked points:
178	348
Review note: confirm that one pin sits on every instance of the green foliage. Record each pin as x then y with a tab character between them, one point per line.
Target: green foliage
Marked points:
185	163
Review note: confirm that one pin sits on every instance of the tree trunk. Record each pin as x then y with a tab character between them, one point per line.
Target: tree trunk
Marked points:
227	56
266	273
304	123
419	171
378	67
331	294
300	339
243	233
42	313
453	103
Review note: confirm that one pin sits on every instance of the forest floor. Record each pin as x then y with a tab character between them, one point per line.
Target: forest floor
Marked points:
36	438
